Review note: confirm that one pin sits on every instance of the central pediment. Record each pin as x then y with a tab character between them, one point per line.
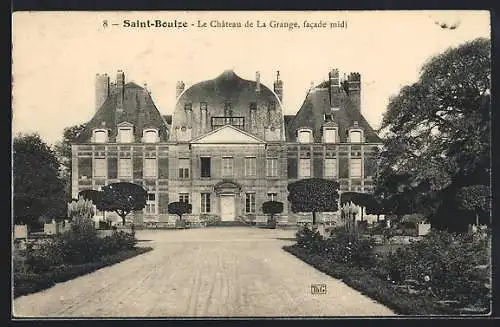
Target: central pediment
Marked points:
227	134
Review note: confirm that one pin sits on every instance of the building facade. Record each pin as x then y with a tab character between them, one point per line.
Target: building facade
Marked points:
228	146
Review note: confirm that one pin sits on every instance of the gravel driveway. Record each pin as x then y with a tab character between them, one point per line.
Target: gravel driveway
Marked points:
210	272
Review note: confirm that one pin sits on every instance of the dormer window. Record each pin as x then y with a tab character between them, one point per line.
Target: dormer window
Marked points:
304	135
125	133
330	135
150	135
188	106
100	136
355	134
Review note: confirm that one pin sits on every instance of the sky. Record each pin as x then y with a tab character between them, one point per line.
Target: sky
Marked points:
56	56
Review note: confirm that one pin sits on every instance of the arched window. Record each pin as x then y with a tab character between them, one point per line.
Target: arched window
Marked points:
150	136
304	135
355	133
100	136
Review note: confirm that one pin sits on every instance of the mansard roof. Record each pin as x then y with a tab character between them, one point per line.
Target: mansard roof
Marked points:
138	110
312	115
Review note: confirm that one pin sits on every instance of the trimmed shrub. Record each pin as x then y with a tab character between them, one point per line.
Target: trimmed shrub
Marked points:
350	247
210	220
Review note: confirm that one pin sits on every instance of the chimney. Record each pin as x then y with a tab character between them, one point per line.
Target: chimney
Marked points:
101	90
278	86
120	85
179	88
257	80
204	116
354	85
334	89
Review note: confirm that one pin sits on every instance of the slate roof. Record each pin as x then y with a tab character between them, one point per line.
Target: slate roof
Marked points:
228	87
316	105
138	109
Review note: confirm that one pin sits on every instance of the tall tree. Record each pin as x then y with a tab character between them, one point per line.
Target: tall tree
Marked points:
313	195
38	189
437	133
63	152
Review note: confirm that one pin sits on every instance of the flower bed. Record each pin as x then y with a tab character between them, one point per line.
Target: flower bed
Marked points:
442	274
26	282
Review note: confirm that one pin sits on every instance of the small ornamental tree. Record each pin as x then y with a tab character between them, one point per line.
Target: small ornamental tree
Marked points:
475	198
122	198
313	195
272	208
179	208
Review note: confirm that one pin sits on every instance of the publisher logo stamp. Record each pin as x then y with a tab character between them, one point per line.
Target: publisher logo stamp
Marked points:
318	288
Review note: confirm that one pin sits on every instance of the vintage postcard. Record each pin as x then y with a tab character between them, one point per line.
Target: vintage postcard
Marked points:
270	164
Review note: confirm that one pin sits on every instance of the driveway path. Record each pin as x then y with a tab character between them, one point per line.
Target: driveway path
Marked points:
226	271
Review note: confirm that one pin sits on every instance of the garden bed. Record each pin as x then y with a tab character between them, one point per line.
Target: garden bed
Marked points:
379	289
29	282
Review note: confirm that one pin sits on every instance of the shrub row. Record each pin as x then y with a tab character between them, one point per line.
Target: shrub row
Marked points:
376	288
442	266
30	282
76	248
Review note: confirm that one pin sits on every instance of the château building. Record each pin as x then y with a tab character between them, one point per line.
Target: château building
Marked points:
227	147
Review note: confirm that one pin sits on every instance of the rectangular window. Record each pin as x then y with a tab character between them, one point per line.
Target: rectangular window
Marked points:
304	168
205	166
125	168
272	167
355	168
150	167
331	167
100	167
184	197
250	203
151	203
272	196
203	106
227	166
253	106
188	106
183	168
205	202
250	166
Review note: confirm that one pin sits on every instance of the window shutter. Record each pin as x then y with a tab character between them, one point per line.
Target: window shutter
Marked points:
163	203
370	166
343	167
112	168
292	167
163	168
137	168
318	167
85	167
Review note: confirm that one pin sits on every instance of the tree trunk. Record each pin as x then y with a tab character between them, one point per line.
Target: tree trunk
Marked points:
314	217
362	208
123	220
477	219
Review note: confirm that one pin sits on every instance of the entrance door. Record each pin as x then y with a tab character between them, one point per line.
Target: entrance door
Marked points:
227	208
